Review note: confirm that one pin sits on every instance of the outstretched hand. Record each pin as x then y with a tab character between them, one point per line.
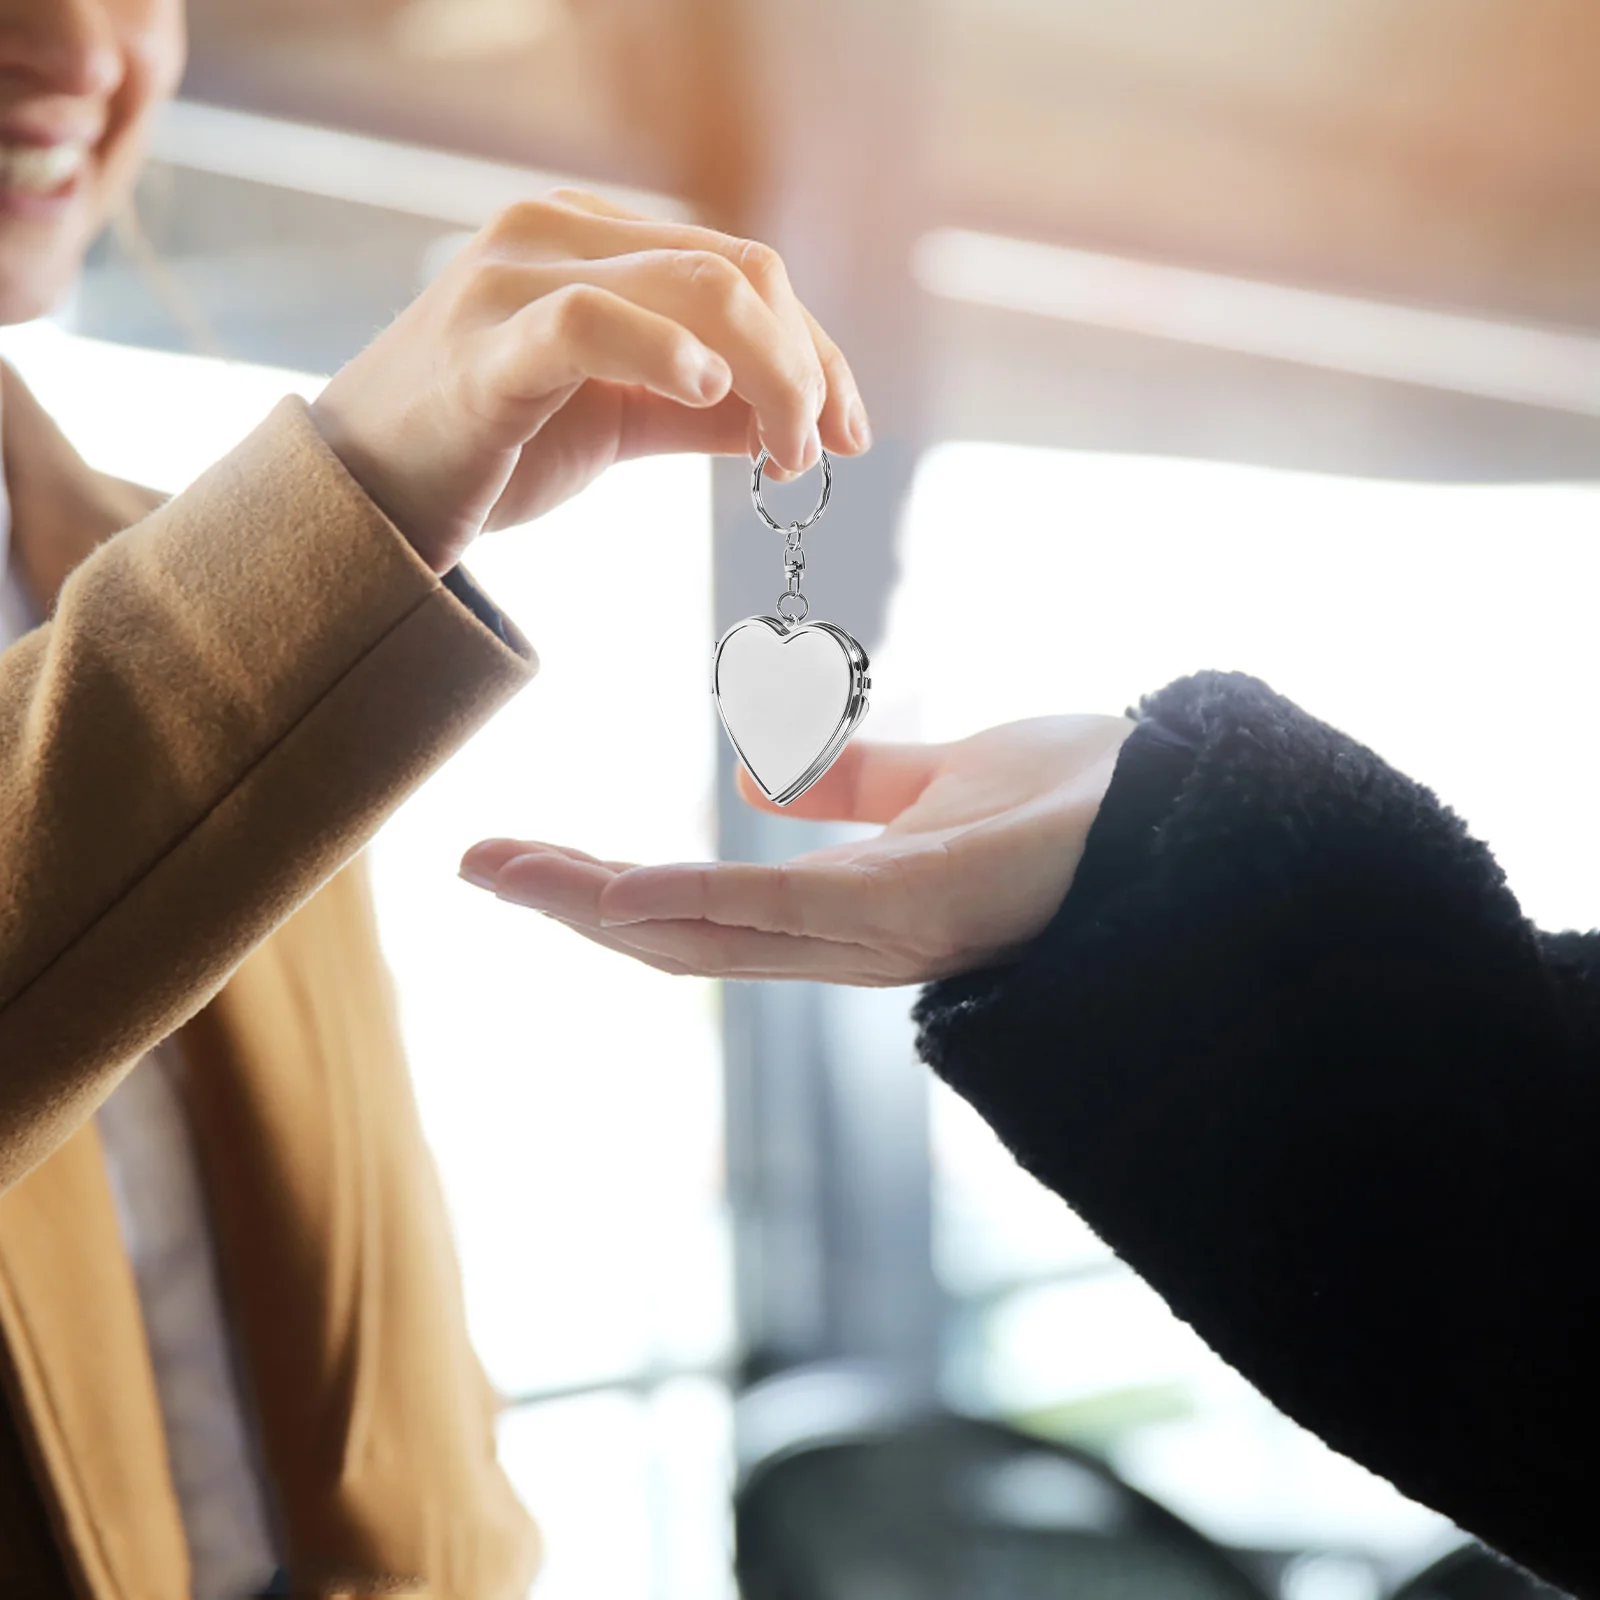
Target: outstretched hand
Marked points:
980	842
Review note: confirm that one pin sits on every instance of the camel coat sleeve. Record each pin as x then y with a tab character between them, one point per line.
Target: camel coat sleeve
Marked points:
230	696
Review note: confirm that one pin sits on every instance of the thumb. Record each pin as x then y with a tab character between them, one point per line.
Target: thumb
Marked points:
870	782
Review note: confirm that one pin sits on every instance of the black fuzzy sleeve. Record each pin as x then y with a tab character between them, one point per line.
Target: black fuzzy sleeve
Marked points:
1291	1048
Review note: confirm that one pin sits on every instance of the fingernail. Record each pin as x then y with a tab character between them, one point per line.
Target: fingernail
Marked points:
622	922
713	377
812	453
860	428
477	878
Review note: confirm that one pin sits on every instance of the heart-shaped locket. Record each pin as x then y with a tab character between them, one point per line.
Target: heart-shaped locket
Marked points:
790	691
790	696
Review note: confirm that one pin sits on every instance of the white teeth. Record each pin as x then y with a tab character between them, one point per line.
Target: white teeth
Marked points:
40	169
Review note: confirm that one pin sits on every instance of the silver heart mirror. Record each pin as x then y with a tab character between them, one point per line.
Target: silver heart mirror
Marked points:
790	692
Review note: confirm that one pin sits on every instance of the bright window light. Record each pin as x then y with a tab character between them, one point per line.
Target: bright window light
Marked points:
574	1098
146	415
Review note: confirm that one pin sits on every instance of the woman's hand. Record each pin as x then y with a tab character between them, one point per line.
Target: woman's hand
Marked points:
568	335
980	843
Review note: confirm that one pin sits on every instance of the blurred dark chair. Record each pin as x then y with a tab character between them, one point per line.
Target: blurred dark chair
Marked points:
951	1509
1471	1573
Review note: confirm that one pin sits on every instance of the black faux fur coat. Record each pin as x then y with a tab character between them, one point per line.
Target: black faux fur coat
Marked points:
1291	1048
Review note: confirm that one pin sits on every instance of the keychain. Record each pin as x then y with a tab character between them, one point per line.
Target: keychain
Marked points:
790	692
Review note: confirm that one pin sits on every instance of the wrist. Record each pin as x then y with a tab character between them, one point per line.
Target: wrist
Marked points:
438	550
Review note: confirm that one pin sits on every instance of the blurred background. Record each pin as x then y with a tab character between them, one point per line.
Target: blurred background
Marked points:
1215	333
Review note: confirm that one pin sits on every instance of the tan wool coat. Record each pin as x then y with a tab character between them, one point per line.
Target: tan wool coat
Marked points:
231	693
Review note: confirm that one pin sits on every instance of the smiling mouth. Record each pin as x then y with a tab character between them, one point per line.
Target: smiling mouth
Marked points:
41	171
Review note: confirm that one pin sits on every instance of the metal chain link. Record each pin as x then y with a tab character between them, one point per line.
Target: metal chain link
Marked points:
794	567
793	607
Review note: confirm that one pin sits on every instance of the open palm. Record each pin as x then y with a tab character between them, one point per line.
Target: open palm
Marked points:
979	845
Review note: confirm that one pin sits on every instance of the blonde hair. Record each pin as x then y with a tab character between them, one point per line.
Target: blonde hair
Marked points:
127	228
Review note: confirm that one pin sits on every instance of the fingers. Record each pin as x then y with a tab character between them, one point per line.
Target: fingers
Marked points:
570	887
872	781
607	942
581	332
773	470
774	367
686	326
596	228
707	951
484	862
834	901
844	424
564	886
595	204
654	425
